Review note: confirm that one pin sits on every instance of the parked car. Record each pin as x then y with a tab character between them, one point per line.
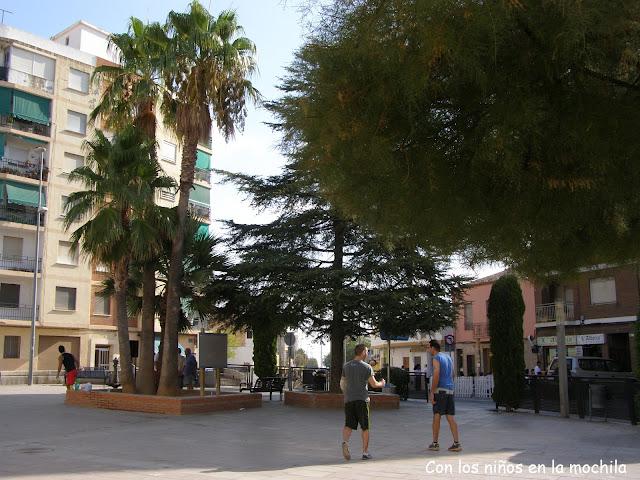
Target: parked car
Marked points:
590	367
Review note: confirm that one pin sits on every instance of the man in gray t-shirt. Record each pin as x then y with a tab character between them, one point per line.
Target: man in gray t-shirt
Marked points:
356	374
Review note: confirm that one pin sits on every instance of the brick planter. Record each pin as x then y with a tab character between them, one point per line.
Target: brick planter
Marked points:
164	405
378	401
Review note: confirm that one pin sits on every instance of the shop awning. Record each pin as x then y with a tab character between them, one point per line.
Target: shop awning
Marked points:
23	194
31	107
201	195
203	160
2	141
5	100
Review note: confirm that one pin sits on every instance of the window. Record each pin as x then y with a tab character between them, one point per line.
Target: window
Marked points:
603	290
468	316
66	255
168	151
9	295
65	298
102	358
32	63
12	248
78	80
167	194
76	122
66	41
11	347
64	199
102	305
71	162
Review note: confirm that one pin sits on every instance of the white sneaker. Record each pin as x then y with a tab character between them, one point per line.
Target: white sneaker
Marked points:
366	456
345	451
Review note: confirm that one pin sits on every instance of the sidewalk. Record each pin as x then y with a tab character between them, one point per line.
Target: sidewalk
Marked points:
42	438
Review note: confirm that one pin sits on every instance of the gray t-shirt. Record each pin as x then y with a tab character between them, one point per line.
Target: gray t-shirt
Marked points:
357	373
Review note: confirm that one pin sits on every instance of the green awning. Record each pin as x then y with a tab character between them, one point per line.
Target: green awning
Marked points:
31	107
31	140
203	160
23	194
2	140
5	100
203	230
200	194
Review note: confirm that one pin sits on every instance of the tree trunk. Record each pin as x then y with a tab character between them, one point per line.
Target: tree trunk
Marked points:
337	321
145	380
169	374
121	275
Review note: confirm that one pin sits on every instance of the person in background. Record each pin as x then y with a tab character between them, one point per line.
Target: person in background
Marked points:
537	369
71	367
181	359
442	397
356	375
190	368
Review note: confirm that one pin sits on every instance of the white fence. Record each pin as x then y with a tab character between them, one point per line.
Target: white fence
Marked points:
474	387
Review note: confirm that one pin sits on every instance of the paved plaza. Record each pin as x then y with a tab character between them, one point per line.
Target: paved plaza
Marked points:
42	438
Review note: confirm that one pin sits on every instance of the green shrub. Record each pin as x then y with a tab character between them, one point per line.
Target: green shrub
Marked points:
505	312
399	378
264	353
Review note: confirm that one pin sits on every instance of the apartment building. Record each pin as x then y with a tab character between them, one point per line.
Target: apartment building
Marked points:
472	341
45	100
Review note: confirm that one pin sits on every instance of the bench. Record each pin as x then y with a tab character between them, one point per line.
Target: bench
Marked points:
267	384
96	375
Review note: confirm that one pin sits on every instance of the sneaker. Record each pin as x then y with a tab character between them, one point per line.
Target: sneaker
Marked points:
366	456
435	446
456	447
345	451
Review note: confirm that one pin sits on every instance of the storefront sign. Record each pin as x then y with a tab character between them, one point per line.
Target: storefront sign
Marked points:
590	339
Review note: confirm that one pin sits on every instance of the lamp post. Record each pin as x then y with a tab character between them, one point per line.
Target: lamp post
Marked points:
34	313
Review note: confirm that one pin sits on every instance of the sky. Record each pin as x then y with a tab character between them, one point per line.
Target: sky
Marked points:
275	26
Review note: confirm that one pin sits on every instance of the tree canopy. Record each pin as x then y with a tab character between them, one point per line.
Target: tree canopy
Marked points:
505	130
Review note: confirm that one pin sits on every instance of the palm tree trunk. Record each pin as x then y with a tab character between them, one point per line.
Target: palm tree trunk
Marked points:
169	375
121	275
145	380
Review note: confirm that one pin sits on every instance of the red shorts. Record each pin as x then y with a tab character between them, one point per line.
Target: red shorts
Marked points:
70	377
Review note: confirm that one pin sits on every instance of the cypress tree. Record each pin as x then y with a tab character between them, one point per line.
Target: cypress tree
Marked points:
505	312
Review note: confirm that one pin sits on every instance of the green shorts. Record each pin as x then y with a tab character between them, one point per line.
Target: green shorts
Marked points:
356	412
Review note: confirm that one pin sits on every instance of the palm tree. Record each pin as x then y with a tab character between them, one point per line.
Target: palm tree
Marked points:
130	96
122	181
207	70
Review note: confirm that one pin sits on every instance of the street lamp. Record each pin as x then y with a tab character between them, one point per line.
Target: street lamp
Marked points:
34	313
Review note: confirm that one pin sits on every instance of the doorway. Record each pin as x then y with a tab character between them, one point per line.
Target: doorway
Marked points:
471	365
619	350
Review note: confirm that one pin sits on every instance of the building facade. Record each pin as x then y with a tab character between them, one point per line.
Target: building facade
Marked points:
46	97
472	341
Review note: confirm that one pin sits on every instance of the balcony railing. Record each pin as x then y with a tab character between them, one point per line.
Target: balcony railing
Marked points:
200	211
20	214
26	80
14	311
30	127
480	330
23	168
203	175
547	312
19	264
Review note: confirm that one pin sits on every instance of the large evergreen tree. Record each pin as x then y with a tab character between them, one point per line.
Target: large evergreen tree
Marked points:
503	129
505	313
332	278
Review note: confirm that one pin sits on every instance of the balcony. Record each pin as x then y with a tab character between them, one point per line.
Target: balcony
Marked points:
20	214
547	312
23	168
13	311
480	330
9	121
19	264
200	211
26	80
203	175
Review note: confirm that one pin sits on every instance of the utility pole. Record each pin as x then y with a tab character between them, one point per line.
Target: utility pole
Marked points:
563	380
